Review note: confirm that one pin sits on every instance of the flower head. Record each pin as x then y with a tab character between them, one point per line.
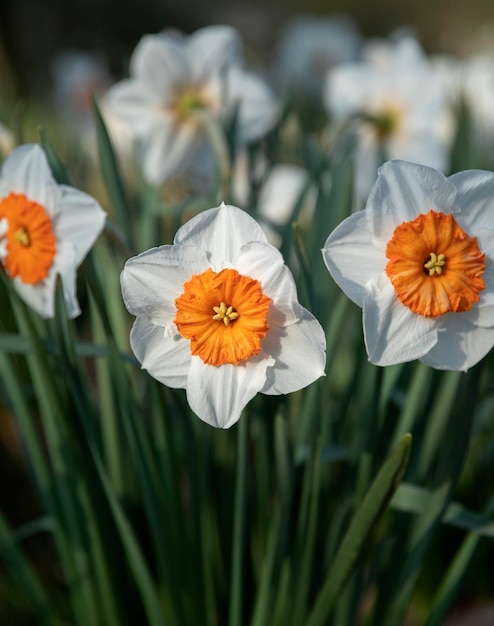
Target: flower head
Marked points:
419	261
217	314
45	229
174	83
404	108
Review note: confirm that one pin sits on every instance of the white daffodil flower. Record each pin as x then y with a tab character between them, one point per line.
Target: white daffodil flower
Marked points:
176	83
309	46
404	109
419	260
45	230
217	314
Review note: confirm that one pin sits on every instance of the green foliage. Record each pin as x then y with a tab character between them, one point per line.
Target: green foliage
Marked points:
297	516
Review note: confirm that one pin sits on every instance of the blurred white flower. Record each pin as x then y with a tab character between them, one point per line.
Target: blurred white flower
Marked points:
478	93
217	314
45	230
6	141
279	193
176	84
404	109
309	46
77	76
419	261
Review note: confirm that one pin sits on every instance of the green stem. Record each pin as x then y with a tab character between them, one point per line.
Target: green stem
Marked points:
235	615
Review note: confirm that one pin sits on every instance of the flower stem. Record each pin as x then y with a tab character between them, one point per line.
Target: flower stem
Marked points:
235	615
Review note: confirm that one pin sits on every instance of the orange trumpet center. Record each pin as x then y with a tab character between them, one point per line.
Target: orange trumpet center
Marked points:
224	315
434	265
30	248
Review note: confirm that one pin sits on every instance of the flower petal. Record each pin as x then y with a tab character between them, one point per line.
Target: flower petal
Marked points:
65	266
352	258
393	334
219	394
160	64
140	108
475	191
258	108
460	345
212	50
153	280
265	263
80	221
404	190
300	353
168	149
166	357
26	171
221	232
39	297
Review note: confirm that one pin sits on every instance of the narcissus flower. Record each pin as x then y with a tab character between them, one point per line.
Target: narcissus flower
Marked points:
217	314
45	230
176	85
402	106
419	261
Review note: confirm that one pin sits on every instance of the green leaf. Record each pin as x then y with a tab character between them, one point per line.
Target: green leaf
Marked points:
21	571
111	175
414	499
371	509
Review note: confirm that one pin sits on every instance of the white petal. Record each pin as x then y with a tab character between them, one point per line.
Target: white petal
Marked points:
165	357
141	109
221	232
404	190
153	280
26	171
219	394
160	63
258	108
168	149
79	222
300	353
352	257
39	297
281	190
475	191
346	89
65	265
212	50
265	263
393	334
460	345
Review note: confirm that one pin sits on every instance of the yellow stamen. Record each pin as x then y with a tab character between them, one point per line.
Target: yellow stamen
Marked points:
22	236
224	314
435	264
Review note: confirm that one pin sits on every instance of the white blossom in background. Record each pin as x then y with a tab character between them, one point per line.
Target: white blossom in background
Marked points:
478	93
6	141
178	85
309	46
278	195
78	76
403	109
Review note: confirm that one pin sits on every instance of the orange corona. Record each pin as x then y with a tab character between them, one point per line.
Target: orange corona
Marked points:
224	315
31	244
434	265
